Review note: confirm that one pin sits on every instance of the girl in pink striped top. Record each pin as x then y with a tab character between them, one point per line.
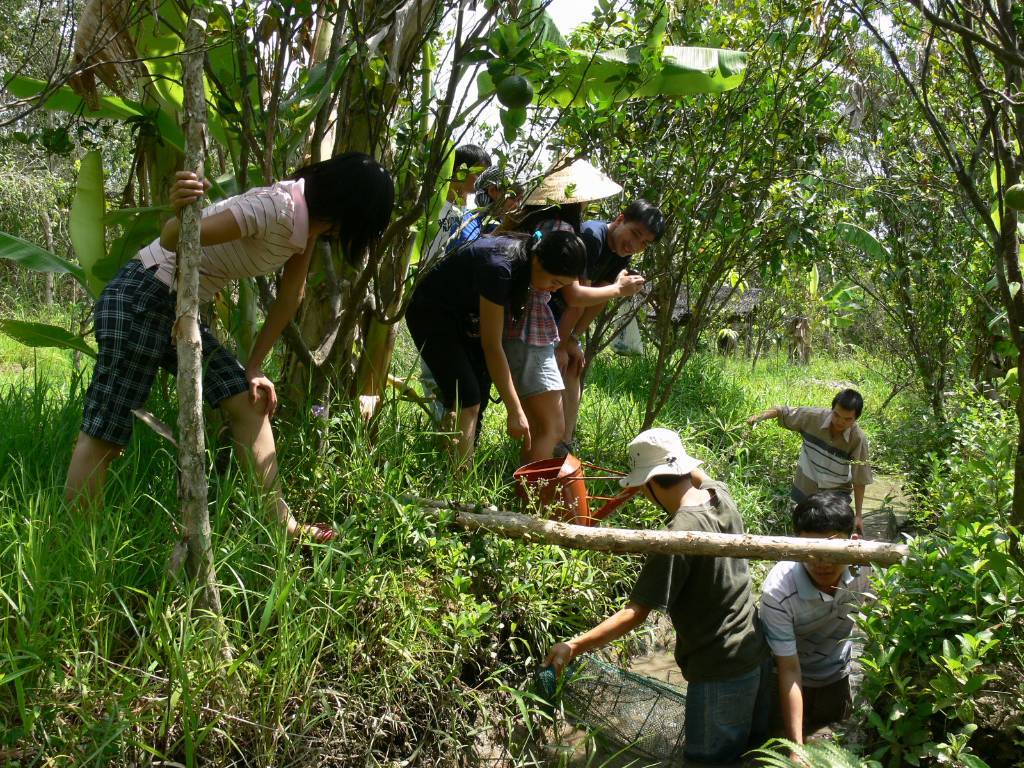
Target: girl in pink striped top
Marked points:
348	197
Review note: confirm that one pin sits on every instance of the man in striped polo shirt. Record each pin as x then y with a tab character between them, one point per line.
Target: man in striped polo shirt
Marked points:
834	455
806	612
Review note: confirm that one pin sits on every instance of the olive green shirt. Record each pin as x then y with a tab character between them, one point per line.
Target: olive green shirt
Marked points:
708	599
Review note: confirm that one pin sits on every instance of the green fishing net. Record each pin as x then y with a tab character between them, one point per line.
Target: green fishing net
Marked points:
624	709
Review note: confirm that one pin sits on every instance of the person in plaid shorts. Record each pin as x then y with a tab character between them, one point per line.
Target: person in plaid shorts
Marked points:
349	197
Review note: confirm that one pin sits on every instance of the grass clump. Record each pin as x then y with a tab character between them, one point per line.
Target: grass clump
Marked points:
404	639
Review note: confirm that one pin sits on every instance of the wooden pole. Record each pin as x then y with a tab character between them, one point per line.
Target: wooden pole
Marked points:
192	483
534	530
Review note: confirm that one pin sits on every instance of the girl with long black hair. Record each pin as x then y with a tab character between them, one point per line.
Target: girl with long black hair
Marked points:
348	197
486	301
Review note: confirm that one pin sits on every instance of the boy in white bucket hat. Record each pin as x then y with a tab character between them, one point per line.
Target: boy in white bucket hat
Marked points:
719	646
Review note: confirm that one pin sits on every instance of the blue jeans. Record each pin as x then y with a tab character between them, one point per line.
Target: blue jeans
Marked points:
725	718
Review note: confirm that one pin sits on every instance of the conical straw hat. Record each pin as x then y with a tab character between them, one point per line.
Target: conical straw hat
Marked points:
579	182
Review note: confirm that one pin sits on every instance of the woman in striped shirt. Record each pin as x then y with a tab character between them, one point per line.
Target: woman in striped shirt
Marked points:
348	197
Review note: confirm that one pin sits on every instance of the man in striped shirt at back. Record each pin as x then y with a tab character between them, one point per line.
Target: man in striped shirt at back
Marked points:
834	455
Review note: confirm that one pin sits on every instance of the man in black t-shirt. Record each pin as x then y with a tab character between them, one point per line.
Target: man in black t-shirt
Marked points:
609	248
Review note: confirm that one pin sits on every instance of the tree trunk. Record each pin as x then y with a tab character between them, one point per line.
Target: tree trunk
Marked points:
192	484
48	276
345	349
534	530
1010	252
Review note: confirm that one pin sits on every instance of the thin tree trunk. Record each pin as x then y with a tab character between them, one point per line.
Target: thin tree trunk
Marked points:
192	484
48	232
534	530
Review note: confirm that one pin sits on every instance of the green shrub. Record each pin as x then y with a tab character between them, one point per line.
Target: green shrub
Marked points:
944	642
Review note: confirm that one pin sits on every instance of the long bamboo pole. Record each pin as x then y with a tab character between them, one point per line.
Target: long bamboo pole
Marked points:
535	530
192	483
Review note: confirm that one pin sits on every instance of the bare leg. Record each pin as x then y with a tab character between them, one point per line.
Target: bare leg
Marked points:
571	396
254	440
466	418
544	412
87	474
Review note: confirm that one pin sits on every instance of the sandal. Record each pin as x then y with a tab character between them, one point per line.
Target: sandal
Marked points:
314	533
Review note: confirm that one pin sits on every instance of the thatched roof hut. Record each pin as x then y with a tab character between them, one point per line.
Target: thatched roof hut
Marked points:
732	303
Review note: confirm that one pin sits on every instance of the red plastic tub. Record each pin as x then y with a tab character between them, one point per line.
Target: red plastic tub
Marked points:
559	486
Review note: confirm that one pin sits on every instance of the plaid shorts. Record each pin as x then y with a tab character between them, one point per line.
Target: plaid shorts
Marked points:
133	320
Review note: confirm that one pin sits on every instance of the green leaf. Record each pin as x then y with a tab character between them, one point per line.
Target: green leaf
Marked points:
64	99
300	110
159	38
861	238
139	227
655	42
88	209
538	26
428	229
31	256
122	217
43	335
604	78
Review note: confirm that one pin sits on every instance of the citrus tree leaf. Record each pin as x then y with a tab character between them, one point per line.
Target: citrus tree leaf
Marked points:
31	256
620	74
43	335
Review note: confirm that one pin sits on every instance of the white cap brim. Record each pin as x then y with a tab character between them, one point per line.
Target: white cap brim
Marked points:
640	475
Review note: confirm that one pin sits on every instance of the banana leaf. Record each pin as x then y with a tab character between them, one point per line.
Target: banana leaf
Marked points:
31	256
540	25
227	185
88	209
160	38
43	335
864	240
64	99
139	227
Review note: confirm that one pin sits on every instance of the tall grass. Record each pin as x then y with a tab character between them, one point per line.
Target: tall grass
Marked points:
404	639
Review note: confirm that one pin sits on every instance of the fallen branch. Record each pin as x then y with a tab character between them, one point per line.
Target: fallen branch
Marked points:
534	530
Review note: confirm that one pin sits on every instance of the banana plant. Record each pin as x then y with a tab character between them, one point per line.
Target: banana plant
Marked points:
91	226
97	263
